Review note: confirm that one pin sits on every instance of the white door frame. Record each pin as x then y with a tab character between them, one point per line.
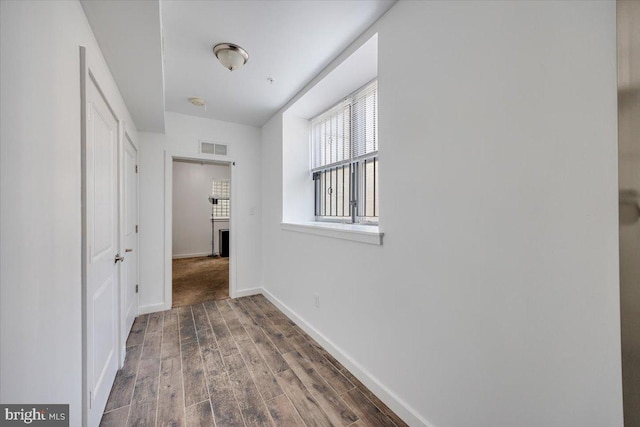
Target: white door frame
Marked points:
86	75
168	218
122	334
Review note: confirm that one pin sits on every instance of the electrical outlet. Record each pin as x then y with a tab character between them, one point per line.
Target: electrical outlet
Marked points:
316	300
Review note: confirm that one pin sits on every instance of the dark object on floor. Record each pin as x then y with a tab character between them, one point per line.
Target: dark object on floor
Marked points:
224	243
200	279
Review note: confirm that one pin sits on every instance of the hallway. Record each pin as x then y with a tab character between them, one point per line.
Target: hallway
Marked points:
239	362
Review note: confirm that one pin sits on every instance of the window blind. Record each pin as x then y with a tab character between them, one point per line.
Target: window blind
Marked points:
346	132
365	121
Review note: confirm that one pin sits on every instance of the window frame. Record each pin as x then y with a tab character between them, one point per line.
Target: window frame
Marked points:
218	210
355	163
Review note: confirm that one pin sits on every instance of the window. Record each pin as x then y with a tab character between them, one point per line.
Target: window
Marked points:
222	190
344	159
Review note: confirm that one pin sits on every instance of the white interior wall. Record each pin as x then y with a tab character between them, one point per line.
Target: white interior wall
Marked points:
182	136
40	220
494	298
297	183
192	210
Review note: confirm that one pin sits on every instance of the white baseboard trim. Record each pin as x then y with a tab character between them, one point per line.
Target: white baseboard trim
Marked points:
247	292
404	411
151	308
198	254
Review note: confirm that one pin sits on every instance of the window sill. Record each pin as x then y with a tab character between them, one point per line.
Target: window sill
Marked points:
355	232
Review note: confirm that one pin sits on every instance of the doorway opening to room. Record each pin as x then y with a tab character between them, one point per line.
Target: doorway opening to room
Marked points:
201	212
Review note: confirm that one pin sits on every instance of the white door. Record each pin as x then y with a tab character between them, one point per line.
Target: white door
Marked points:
129	277
101	250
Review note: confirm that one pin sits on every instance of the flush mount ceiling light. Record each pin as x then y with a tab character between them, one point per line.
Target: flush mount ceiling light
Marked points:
198	102
231	56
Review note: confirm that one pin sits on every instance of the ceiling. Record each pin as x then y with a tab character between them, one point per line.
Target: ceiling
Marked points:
354	72
160	52
289	41
130	38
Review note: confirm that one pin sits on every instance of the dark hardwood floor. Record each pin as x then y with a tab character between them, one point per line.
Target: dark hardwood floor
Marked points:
235	363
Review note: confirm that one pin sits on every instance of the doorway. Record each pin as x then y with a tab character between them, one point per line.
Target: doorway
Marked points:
201	211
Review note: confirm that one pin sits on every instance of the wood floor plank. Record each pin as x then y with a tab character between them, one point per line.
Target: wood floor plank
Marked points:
254	411
211	357
199	415
195	387
122	389
170	322
265	312
225	340
266	348
232	321
226	411
279	332
146	387
227	346
366	411
304	402
170	393
262	376
200	317
270	353
244	389
331	403
170	335
136	336
187	327
329	372
254	310
276	315
250	325
325	353
217	322
151	346
115	418
278	339
283	413
257	416
225	408
375	400
154	324
287	330
143	414
262	303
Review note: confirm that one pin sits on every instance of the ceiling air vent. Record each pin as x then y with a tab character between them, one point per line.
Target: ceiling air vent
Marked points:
213	148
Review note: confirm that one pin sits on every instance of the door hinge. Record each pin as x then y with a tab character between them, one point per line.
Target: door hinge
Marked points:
136	168
136	289
136	228
90	399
